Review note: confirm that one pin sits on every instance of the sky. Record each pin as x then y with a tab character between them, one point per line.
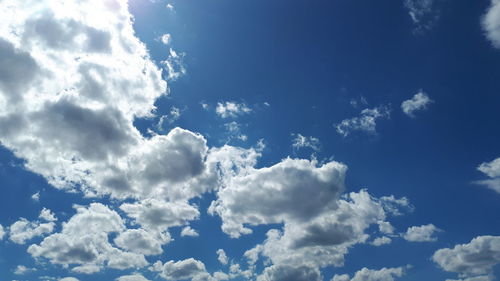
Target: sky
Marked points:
283	140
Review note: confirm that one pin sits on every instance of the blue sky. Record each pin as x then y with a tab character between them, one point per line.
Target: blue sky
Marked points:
249	140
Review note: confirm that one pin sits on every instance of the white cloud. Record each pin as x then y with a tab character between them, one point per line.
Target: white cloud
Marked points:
188	231
78	130
366	122
234	131
231	109
222	257
365	274
492	170
476	278
68	279
2	232
134	277
174	65
181	270
157	215
21	270
47	215
166	38
379	241
84	242
36	197
170	118
300	141
24	230
491	23
139	241
423	13
424	233
471	260
287	273
418	102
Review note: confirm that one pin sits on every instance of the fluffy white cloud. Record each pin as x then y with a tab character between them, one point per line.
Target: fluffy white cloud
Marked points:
491	23
68	279
471	260
166	38
47	215
24	230
379	241
418	102
424	233
188	231
365	274
139	241
288	273
231	109
300	141
185	269
366	122
84	242
134	277
492	170
157	215
21	270
74	79
222	257
2	232
276	194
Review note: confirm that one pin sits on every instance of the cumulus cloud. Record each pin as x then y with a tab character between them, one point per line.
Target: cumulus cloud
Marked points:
366	122
231	109
24	230
300	141
84	242
222	257
379	241
491	23
77	130
365	274
134	277
139	241
424	233
492	170
476	258
418	102
21	270
423	13
181	270
188	231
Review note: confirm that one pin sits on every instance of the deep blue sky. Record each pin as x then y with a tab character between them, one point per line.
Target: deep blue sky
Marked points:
308	60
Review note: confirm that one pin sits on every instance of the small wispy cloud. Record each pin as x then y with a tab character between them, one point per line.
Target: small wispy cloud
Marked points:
423	13
419	101
492	171
174	65
365	122
299	141
231	109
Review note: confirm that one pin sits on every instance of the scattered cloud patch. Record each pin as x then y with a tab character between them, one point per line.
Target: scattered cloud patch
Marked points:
222	257
365	274
423	13
472	260
134	277
174	65
366	122
231	109
166	39
299	141
492	170
419	101
424	233
21	270
379	241
491	23
23	230
188	231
